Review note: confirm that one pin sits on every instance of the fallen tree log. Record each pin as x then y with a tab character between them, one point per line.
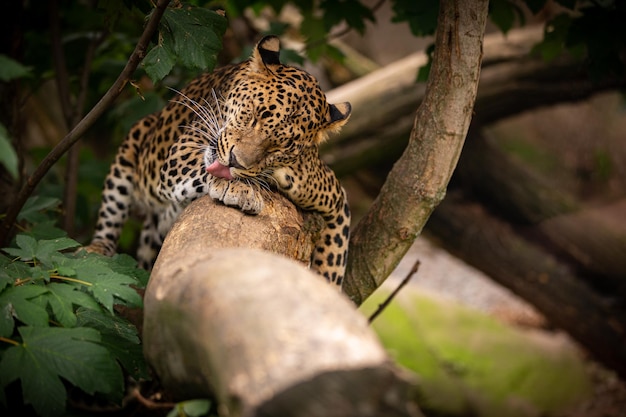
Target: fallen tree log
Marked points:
511	81
467	230
227	314
593	239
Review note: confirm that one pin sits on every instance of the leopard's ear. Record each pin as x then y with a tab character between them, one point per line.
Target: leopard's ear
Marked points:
339	115
266	53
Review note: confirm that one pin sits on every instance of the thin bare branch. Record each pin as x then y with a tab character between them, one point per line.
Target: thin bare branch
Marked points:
76	133
395	292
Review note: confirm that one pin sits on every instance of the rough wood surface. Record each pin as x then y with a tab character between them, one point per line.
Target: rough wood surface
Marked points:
257	330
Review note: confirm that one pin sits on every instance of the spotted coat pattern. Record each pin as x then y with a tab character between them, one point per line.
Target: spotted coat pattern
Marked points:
232	134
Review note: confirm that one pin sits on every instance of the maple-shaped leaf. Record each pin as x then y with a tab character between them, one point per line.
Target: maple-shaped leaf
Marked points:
47	354
106	285
31	249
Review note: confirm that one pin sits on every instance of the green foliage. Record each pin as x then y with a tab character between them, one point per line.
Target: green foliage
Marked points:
353	12
11	69
57	320
596	33
503	14
191	36
8	156
420	15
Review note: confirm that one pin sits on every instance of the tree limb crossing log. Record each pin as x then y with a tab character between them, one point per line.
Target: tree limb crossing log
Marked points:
261	333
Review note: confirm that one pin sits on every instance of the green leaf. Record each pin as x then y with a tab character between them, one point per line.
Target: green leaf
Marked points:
158	63
127	265
11	69
17	302
554	38
424	71
43	250
288	55
47	248
502	13
10	271
27	246
45	229
31	212
313	29
60	297
46	354
351	11
196	34
106	285
421	15
120	337
6	320
8	156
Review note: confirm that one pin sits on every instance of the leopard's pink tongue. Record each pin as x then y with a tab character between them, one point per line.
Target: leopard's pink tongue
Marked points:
218	170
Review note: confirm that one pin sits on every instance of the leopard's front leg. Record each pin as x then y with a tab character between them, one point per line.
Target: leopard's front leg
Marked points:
315	187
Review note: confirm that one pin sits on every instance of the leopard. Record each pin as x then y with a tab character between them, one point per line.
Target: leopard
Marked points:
232	134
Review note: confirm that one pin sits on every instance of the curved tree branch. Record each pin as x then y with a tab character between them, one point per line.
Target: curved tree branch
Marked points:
76	133
418	181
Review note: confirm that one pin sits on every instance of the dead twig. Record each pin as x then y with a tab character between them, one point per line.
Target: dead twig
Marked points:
391	296
148	403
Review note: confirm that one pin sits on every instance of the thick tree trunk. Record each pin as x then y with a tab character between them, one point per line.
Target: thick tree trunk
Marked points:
418	181
263	334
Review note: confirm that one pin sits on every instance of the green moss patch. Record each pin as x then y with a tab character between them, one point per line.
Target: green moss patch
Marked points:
469	363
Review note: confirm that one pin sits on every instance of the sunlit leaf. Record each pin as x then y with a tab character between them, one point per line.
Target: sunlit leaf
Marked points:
106	285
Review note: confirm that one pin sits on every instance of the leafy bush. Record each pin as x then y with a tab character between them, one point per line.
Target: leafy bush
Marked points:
58	324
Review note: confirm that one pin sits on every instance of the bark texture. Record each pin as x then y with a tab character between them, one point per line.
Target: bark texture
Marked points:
418	181
224	316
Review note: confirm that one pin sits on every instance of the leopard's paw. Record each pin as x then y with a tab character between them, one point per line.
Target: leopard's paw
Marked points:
99	247
237	194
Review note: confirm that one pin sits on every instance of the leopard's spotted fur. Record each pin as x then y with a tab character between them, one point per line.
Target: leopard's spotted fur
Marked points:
228	134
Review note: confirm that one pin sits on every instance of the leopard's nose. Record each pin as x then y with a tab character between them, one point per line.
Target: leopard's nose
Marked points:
233	162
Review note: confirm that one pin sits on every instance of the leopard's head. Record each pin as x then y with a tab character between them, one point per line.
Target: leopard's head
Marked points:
272	113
